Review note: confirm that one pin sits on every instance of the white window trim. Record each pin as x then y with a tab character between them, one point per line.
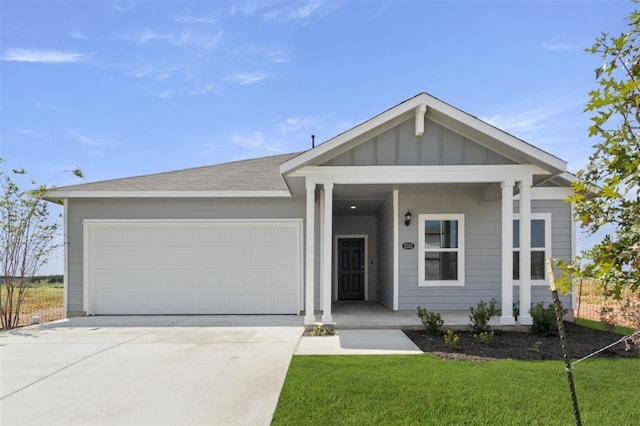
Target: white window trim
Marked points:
421	249
547	244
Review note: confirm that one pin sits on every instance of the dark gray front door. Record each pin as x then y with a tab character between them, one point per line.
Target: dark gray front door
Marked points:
351	269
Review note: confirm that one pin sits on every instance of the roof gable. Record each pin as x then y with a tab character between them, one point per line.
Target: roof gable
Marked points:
400	146
423	116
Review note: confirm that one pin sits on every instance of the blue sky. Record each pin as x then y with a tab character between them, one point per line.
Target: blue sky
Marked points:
129	88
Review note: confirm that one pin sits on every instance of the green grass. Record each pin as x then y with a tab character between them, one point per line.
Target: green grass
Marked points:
597	325
421	389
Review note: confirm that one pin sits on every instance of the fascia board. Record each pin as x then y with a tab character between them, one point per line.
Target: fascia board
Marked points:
448	115
54	195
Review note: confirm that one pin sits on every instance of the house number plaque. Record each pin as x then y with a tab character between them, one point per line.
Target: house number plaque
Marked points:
408	246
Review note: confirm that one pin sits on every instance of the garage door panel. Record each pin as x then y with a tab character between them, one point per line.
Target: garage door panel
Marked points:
195	268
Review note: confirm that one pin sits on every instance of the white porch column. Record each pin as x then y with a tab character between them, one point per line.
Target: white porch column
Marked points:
525	253
309	317
327	221
507	253
321	237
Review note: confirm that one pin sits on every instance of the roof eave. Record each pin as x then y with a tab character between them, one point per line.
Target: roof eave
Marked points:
55	195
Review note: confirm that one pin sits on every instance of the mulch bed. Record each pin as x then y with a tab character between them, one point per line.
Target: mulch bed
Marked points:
581	341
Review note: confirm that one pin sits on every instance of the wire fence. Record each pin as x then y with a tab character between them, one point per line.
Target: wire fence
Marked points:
43	302
592	304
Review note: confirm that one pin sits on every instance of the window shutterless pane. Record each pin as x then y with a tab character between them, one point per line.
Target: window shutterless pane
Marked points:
440	266
537	265
537	233
440	234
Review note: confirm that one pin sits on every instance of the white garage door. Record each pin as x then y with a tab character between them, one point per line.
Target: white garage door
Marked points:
193	267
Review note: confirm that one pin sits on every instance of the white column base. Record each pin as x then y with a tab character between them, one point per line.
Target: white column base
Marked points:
309	320
525	320
327	319
507	320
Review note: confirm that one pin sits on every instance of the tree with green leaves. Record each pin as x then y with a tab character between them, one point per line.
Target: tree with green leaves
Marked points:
606	190
27	240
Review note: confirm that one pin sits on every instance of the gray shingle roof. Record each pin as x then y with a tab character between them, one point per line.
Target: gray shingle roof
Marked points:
259	174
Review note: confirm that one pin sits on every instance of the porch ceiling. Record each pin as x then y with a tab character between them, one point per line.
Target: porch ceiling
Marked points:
368	199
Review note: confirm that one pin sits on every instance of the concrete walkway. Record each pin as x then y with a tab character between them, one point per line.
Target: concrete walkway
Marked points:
358	342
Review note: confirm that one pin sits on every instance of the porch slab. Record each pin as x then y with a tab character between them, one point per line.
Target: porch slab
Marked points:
371	315
358	342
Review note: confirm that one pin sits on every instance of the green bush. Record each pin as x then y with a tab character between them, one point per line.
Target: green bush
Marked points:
484	338
431	321
452	340
480	316
544	319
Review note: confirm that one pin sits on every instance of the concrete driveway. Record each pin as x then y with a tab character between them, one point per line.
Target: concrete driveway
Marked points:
175	370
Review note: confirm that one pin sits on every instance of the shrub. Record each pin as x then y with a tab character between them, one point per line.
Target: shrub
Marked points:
452	340
320	330
484	338
544	319
431	321
480	316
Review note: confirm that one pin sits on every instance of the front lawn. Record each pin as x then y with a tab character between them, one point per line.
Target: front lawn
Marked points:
422	389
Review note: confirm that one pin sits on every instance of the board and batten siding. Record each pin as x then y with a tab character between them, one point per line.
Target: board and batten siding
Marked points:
482	235
160	209
400	146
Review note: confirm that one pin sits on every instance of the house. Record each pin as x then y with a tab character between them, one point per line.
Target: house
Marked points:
422	204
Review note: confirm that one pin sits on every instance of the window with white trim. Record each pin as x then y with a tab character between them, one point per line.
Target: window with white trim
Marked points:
540	247
441	250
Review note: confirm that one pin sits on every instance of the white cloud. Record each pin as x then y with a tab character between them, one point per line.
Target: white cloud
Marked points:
157	73
78	35
255	141
39	106
202	89
298	11
188	19
558	46
304	11
123	7
293	124
183	38
278	56
30	133
166	94
92	141
245	8
44	56
246	79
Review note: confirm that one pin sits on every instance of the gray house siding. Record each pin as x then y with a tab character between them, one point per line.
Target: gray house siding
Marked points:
169	209
482	249
400	146
385	254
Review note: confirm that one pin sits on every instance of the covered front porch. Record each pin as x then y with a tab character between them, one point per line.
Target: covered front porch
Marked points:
478	197
372	315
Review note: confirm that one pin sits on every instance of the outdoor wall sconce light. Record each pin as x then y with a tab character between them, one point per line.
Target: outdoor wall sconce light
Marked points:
407	218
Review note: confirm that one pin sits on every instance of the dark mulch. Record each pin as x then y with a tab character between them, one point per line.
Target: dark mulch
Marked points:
581	341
